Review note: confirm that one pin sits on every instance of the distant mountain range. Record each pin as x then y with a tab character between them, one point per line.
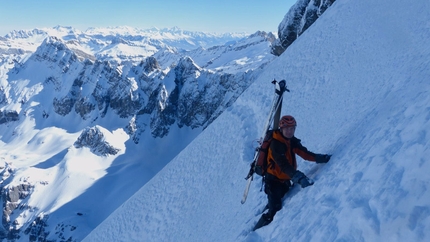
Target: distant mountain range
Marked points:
119	43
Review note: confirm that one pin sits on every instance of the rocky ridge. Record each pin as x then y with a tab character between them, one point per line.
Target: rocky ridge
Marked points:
298	19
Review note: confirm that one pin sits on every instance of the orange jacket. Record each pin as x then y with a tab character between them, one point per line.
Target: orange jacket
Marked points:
282	156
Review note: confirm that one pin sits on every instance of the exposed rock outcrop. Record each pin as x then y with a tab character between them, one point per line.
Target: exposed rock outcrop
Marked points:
94	139
298	19
8	116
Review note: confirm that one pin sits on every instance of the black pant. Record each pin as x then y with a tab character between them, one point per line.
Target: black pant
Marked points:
275	191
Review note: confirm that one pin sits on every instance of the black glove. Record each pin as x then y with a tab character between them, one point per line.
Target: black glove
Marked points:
301	179
319	158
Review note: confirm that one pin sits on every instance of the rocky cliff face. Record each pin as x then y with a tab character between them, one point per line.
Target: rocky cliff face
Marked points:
12	199
197	98
298	19
91	88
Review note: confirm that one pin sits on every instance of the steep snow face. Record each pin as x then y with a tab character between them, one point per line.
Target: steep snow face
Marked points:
359	90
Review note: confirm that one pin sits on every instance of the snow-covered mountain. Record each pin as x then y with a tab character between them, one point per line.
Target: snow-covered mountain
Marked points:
74	119
82	82
360	91
116	43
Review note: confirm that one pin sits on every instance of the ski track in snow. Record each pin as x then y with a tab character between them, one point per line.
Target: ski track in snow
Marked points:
360	90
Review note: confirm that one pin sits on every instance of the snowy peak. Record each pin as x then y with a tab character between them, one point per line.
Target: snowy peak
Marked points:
267	36
114	31
24	34
166	32
186	67
54	50
53	61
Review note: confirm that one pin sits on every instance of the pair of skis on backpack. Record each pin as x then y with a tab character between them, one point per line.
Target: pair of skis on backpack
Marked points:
257	166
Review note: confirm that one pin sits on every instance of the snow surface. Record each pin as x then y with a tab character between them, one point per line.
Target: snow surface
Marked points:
359	81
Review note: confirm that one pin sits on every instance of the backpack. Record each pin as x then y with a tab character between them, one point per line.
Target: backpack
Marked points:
261	162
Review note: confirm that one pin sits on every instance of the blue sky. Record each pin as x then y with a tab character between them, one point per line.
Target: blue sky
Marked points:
208	16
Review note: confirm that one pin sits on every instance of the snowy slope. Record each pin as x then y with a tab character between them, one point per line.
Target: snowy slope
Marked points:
359	90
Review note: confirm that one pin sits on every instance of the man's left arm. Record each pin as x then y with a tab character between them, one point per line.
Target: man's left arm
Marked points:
303	152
